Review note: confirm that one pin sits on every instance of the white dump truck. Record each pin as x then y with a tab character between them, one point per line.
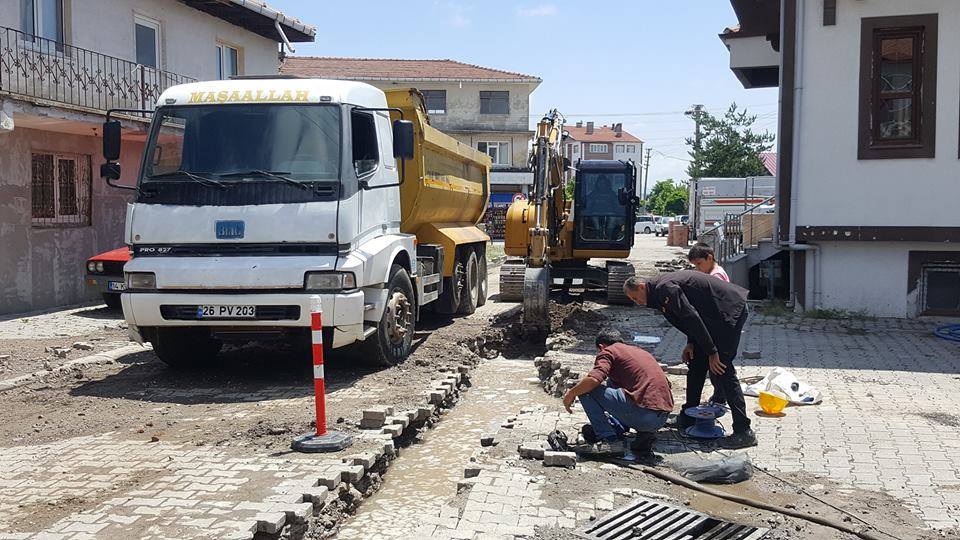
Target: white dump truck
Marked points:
256	194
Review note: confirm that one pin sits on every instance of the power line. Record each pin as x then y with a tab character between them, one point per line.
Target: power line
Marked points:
654	113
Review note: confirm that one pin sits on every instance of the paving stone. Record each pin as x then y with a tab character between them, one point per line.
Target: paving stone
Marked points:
559	459
531	450
394	430
270	523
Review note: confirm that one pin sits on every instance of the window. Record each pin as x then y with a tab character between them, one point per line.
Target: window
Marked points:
42	19
435	101
599	148
499	152
494	102
898	85
631	148
618	148
147	37
228	61
60	189
366	154
576	149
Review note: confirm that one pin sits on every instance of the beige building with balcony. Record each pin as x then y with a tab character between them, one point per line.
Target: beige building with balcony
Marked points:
63	64
487	108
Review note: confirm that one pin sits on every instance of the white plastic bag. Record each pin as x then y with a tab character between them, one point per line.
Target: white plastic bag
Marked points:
787	384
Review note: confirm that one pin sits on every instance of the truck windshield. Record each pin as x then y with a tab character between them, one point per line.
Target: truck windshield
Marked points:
223	144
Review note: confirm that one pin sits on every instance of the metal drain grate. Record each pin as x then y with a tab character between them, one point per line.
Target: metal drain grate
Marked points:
645	519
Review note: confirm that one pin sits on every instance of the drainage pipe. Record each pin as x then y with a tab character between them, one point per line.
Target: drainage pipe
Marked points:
865	534
816	268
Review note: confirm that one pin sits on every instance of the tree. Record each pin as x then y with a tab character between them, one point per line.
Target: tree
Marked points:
667	198
729	147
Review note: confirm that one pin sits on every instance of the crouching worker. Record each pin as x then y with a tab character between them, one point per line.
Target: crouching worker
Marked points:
637	395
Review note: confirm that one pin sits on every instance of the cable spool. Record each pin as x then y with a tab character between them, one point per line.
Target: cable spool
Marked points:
705	422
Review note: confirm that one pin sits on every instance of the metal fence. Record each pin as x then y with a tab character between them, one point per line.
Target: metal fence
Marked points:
728	239
35	67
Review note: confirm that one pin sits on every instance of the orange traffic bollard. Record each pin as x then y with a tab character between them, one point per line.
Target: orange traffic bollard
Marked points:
322	440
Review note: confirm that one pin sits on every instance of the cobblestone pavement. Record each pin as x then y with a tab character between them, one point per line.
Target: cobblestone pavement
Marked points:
179	491
888	422
414	500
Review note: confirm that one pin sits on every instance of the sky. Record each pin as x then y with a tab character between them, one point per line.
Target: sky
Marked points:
640	62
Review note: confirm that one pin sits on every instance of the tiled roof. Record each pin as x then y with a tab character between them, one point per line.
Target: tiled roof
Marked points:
600	134
769	160
377	69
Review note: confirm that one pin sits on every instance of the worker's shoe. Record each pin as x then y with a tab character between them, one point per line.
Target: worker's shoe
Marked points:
609	448
680	422
587	434
642	448
742	439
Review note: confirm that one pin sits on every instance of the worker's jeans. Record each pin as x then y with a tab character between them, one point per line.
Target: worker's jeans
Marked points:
612	412
728	383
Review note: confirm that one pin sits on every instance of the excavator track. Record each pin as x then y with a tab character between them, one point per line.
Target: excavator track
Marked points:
617	274
511	280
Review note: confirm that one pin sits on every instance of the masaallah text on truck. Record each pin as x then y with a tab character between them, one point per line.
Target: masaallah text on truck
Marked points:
255	195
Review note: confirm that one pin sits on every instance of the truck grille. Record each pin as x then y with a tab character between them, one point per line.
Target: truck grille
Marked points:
188	312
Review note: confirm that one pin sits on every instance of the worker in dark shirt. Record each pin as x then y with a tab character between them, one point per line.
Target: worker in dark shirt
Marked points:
711	313
637	395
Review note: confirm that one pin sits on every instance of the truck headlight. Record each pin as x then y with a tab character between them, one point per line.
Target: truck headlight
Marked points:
329	281
141	280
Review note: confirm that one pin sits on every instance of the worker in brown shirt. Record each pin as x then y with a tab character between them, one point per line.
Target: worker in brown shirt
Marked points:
637	395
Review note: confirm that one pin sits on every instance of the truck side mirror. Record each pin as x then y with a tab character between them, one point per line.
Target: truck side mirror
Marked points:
111	140
403	139
110	171
623	197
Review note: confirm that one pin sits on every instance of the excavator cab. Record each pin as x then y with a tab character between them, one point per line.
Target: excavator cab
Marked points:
604	205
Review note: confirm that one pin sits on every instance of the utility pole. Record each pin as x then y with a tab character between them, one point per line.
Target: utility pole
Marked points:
696	112
646	175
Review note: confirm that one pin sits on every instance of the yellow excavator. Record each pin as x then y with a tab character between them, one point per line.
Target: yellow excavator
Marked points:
551	238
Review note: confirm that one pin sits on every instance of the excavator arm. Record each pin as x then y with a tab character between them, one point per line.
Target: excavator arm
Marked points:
546	201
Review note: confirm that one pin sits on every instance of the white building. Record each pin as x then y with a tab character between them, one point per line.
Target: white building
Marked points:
869	177
63	64
585	140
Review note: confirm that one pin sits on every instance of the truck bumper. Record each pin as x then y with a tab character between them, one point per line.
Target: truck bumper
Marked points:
342	312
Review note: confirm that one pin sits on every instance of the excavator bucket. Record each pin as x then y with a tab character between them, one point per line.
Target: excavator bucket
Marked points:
536	303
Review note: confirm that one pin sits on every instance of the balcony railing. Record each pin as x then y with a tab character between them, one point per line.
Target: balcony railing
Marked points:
737	232
35	67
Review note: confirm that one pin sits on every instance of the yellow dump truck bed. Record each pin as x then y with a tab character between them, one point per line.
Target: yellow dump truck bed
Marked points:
445	187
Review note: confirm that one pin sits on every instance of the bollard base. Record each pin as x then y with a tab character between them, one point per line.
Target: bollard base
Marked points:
331	441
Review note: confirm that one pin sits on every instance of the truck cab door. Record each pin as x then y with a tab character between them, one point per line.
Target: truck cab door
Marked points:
376	172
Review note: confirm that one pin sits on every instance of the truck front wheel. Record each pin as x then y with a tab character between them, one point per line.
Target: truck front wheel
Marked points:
394	336
185	347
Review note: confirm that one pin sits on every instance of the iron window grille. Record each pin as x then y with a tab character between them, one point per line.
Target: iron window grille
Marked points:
60	190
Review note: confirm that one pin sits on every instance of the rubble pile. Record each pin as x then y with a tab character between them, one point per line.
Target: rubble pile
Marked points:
680	263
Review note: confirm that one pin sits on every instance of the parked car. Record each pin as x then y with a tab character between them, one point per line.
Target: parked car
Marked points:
685	219
645	224
662	226
105	275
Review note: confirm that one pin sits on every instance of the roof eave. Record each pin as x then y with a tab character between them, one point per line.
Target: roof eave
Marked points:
233	11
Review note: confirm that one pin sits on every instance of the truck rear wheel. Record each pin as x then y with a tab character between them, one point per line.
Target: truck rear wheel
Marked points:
451	297
470	295
182	348
484	279
393	340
